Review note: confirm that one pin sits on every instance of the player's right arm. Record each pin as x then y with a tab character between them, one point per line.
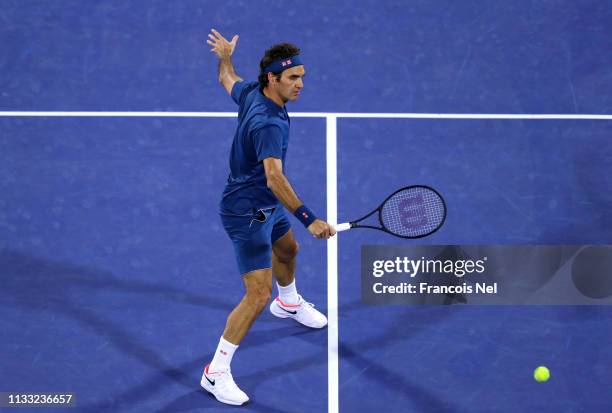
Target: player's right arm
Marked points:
282	189
224	49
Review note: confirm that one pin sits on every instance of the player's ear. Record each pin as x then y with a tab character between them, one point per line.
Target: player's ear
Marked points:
271	78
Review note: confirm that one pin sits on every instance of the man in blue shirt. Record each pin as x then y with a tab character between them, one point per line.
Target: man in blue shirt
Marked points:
251	207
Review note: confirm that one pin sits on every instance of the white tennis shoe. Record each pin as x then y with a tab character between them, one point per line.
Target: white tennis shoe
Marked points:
302	312
221	385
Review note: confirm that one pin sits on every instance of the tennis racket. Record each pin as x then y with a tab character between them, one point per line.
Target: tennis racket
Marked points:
411	212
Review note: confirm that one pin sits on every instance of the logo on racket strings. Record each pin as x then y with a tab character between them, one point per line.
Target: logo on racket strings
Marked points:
412	212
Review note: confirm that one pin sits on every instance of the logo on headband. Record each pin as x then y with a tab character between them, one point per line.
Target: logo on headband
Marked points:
279	65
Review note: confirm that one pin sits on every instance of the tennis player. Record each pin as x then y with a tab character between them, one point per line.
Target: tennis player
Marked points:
252	204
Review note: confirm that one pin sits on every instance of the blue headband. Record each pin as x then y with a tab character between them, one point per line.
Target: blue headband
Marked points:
279	65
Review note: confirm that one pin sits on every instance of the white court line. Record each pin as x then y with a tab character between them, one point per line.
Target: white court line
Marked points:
332	269
455	116
311	115
102	114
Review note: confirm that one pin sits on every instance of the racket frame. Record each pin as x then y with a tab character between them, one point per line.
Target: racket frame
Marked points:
354	224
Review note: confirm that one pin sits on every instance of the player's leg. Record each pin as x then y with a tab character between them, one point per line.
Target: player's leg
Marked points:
217	377
289	304
258	286
284	253
252	244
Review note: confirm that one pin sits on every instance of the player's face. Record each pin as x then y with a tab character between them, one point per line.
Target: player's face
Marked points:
291	83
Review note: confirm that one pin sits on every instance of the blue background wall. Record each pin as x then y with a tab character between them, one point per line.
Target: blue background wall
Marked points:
405	56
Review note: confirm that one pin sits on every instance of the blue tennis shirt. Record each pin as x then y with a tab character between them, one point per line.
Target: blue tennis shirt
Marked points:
263	132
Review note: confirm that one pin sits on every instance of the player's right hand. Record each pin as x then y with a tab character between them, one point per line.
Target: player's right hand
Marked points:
220	46
321	229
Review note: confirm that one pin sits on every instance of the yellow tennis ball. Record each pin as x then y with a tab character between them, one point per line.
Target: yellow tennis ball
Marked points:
541	374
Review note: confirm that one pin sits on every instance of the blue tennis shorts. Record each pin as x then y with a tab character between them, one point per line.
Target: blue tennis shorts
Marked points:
253	236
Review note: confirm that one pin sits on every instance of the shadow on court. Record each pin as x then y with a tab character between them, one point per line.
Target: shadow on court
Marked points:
34	285
37	283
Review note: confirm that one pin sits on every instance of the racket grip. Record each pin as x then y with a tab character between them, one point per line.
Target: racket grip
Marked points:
343	227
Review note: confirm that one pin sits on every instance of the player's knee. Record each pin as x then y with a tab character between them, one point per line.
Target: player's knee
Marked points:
293	251
262	300
259	296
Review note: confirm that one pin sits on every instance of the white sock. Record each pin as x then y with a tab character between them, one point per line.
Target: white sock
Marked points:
288	294
223	356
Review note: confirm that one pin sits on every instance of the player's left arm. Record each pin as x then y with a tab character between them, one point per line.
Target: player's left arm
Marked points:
224	49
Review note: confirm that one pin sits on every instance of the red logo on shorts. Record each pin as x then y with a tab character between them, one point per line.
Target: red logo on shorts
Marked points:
223	352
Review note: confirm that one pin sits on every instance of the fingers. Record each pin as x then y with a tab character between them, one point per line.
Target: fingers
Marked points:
326	232
220	45
330	231
212	41
217	35
321	229
215	39
320	233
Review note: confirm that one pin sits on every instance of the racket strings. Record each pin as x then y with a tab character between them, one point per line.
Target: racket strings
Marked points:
413	212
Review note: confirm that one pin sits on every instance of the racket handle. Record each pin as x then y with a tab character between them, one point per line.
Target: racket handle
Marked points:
343	227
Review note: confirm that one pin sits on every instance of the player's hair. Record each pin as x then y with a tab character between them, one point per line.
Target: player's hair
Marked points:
278	51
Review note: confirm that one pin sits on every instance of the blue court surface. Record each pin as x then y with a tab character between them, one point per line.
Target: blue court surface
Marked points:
117	276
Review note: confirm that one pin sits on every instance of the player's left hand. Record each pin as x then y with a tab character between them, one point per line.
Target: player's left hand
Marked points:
220	46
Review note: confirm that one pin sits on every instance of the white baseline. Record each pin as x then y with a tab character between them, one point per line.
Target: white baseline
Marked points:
310	115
